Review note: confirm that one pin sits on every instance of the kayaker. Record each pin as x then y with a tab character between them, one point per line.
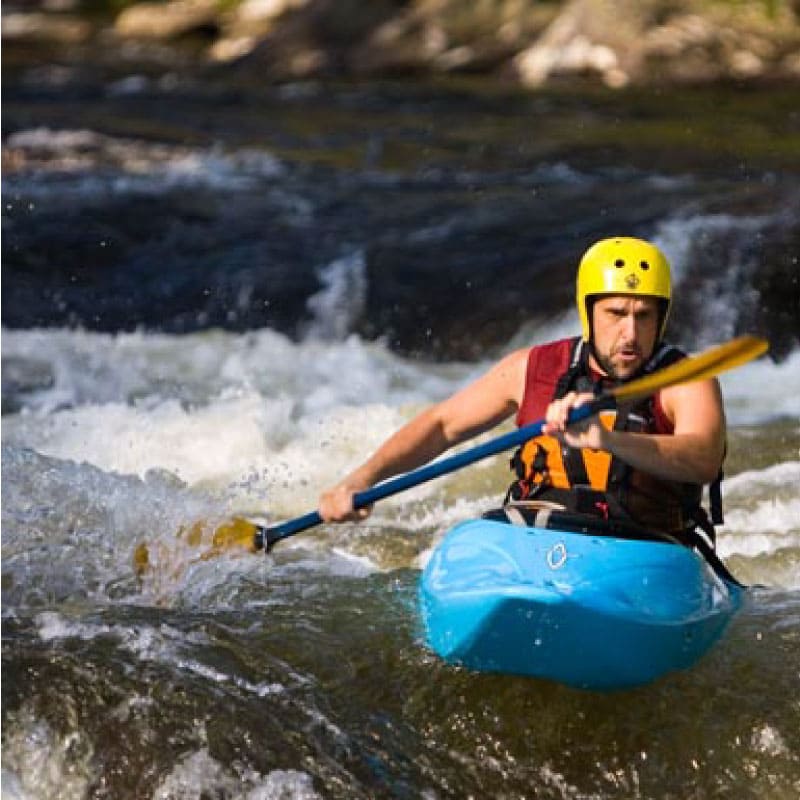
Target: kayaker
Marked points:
647	464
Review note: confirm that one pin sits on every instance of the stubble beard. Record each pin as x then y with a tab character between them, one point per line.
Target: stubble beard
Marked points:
615	373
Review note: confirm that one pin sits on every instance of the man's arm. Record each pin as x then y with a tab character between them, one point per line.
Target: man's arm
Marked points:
478	407
693	454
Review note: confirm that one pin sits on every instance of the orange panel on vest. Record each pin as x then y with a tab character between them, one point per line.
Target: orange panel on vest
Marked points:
598	462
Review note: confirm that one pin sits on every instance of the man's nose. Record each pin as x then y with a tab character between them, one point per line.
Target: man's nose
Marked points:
629	326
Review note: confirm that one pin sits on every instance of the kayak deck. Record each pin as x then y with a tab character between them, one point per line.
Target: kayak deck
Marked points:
590	611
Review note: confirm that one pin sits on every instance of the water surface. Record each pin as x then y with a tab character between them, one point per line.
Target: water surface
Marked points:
218	299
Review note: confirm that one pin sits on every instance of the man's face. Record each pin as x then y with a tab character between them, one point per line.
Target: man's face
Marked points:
624	332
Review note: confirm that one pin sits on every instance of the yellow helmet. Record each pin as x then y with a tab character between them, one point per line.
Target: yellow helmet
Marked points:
622	265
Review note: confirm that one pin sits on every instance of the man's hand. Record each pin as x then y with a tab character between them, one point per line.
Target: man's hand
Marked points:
336	504
692	453
589	433
474	409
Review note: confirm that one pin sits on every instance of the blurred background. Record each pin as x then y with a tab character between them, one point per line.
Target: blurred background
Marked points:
179	165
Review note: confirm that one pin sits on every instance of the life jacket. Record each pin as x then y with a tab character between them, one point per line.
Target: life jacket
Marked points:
595	482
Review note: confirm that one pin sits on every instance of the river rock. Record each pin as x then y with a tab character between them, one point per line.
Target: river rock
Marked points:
38	26
617	42
167	20
247	24
654	42
589	37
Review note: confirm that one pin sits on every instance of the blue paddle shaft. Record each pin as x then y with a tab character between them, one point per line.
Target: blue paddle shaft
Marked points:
269	536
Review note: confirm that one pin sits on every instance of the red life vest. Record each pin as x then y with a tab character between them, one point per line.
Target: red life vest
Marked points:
590	481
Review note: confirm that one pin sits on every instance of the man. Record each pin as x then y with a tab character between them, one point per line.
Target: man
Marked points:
647	465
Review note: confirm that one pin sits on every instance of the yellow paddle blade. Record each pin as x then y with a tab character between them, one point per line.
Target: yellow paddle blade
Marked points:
694	368
141	559
238	533
235	534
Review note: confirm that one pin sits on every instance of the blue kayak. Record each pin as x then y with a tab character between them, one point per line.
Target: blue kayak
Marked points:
592	611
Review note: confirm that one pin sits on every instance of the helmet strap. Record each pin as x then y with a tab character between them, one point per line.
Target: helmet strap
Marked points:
590	301
594	355
663	310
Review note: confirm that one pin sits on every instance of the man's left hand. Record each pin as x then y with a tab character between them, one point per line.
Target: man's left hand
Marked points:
589	433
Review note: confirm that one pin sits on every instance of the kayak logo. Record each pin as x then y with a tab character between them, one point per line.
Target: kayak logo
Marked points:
557	556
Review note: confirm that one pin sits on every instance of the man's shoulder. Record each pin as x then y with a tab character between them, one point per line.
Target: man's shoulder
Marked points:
548	361
556	350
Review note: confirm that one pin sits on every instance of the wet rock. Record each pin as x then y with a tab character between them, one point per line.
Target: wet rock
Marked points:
65	29
616	42
589	37
743	273
654	42
167	20
244	26
450	36
470	209
318	38
394	37
777	283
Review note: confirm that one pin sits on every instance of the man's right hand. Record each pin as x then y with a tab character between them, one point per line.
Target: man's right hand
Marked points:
336	504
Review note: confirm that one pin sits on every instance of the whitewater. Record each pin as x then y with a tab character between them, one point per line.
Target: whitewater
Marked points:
297	307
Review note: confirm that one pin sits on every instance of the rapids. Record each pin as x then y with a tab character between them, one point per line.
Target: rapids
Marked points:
243	350
302	674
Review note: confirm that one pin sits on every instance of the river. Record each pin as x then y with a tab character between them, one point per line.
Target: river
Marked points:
218	298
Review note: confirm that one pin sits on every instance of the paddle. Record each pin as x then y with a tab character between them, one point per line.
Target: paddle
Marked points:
243	534
705	365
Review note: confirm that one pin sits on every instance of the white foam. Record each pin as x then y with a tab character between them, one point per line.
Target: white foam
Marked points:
53	626
165	645
242	411
768	740
198	774
441	518
98	164
727	292
130	85
356	565
771	525
763	390
264	424
777	476
748	544
208	446
560	173
559	326
100	368
54	141
38	762
762	511
341	300
678	236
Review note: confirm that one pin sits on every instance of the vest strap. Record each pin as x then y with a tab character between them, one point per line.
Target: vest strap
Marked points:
533	476
715	500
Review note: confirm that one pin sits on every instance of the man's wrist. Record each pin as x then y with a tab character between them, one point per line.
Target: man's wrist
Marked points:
608	439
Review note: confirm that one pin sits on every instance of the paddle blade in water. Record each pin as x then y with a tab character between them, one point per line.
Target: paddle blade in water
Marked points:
238	533
694	368
141	559
235	534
